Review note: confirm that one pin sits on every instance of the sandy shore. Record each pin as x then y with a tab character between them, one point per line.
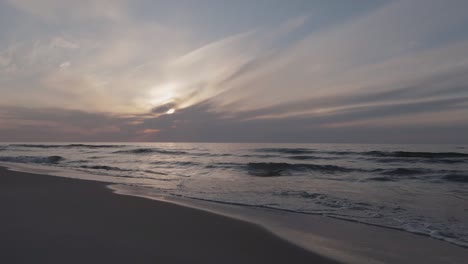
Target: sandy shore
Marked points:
48	219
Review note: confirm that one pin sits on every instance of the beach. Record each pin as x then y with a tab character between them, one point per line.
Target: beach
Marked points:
47	219
224	131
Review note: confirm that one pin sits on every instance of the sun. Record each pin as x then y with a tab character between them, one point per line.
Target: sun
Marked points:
170	111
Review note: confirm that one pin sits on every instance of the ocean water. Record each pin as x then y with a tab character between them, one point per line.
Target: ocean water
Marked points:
421	189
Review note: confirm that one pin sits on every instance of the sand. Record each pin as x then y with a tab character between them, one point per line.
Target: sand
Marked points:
47	219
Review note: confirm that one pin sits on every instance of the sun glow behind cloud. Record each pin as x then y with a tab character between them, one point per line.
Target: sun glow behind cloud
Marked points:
163	94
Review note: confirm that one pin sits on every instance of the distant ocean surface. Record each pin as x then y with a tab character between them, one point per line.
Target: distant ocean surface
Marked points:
417	188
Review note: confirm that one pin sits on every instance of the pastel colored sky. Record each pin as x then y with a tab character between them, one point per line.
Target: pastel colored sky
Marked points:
234	71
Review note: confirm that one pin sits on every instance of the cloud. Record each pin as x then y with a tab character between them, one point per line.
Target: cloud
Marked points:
56	124
64	65
376	52
60	10
131	66
104	59
442	121
163	108
360	125
386	67
60	42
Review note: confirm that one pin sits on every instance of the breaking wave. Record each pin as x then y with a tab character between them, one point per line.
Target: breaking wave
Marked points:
111	168
287	150
150	150
404	171
409	154
301	152
33	159
456	177
307	157
103	167
42	146
271	169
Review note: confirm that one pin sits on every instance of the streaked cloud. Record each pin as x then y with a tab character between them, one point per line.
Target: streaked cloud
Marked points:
394	64
58	10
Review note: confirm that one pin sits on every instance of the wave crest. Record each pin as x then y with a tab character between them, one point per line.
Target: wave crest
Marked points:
33	159
404	172
271	169
150	150
287	150
409	154
64	146
456	177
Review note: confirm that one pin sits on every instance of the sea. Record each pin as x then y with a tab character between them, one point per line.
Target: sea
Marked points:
421	189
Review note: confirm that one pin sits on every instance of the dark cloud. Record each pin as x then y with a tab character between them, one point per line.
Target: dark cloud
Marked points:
163	108
199	123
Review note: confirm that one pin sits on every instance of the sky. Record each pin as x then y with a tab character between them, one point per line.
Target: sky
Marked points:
369	71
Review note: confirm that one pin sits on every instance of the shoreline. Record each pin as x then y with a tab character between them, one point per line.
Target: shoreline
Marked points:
348	242
59	220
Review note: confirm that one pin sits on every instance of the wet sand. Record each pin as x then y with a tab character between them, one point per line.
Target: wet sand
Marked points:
47	219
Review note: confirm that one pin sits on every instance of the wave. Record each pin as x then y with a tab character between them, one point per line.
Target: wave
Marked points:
263	156
225	165
103	167
382	179
33	159
410	154
301	194
338	204
420	174
456	177
150	150
412	160
270	169
332	202
404	172
178	163
95	146
287	150
375	153
65	146
111	168
304	157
